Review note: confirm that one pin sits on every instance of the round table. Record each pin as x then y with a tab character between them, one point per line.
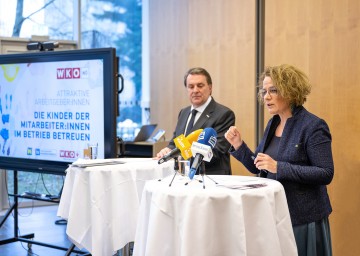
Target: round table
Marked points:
240	215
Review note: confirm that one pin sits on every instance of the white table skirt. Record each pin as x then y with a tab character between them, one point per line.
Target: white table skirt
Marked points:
101	203
189	220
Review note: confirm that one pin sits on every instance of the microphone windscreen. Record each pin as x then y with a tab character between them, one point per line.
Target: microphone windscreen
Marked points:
181	142
208	137
194	136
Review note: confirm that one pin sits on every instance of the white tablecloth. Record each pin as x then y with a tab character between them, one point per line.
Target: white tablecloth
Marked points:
101	203
188	220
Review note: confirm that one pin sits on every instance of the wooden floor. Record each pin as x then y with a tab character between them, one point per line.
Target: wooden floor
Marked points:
39	221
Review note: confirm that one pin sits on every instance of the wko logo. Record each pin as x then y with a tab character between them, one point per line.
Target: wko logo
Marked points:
71	73
67	154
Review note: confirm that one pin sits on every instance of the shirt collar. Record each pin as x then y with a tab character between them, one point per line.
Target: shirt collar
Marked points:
203	106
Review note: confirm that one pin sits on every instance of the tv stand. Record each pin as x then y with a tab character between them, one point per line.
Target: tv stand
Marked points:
28	238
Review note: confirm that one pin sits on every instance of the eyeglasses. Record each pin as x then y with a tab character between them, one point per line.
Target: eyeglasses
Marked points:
271	91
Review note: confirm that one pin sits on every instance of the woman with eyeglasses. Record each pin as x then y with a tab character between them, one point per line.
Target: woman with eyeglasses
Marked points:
296	151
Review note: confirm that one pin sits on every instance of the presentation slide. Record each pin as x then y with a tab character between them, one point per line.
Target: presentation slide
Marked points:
51	110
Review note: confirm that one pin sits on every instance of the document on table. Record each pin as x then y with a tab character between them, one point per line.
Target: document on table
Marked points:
236	184
82	163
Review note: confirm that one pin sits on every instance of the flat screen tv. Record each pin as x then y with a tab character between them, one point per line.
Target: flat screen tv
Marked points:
54	104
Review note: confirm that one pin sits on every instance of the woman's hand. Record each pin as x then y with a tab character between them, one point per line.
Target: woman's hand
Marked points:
233	136
265	162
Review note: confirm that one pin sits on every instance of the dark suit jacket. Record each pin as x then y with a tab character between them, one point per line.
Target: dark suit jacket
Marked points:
304	164
218	117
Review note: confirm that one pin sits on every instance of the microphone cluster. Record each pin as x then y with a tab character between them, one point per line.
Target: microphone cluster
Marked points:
202	149
198	144
183	146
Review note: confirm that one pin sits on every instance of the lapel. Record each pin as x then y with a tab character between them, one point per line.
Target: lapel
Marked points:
205	116
288	131
183	119
270	133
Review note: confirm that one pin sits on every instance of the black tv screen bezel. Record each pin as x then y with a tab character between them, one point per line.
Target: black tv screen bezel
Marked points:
110	101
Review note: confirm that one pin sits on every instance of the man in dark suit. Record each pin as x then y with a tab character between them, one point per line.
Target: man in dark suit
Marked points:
208	113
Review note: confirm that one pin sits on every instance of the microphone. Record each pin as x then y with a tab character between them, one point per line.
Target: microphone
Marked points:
183	146
202	149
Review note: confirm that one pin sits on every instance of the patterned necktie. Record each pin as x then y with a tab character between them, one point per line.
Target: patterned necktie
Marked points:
191	122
